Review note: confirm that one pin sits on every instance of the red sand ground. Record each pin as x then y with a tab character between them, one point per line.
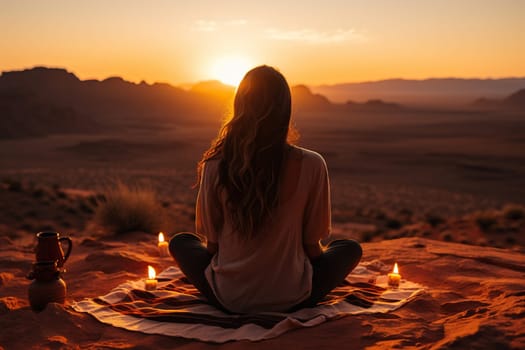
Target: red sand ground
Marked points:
475	299
382	166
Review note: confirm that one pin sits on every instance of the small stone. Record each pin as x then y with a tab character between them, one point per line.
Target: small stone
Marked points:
5	277
9	303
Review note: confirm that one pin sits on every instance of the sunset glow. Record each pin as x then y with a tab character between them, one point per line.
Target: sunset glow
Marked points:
230	70
326	42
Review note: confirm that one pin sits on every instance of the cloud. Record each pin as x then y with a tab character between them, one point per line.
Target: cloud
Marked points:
314	36
205	25
236	22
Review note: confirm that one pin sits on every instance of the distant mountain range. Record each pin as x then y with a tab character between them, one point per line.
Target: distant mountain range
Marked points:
114	97
21	114
28	97
42	101
423	92
515	101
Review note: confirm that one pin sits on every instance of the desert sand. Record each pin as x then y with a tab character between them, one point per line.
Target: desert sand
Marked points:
433	189
474	298
474	295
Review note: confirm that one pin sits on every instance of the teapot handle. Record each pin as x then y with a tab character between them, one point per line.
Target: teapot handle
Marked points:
69	246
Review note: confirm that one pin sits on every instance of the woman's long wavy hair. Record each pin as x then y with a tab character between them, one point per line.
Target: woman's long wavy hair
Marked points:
250	148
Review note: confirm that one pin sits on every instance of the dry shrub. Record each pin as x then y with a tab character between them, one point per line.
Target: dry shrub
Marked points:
393	223
38	193
447	236
14	186
84	206
514	212
368	236
486	220
127	209
510	240
434	220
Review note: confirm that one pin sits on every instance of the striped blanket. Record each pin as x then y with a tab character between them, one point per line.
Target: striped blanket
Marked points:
176	308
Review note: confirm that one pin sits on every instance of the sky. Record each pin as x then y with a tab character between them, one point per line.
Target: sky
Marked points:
311	42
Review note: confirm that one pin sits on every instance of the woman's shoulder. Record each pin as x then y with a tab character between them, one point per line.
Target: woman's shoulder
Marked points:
211	167
310	157
212	162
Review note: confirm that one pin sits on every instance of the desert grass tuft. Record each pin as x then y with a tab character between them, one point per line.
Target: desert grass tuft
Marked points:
434	220
486	220
84	207
447	236
61	194
368	236
510	240
514	212
393	223
38	193
127	209
92	200
14	186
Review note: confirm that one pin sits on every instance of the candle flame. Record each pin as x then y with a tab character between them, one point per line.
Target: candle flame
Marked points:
161	237
396	270
151	273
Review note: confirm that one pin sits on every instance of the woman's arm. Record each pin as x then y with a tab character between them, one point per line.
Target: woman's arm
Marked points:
207	208
317	216
313	251
212	247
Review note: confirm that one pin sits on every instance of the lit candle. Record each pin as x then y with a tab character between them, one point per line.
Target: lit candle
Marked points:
151	282
163	246
394	277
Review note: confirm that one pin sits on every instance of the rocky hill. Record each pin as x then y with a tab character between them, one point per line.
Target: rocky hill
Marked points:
40	101
516	100
26	115
442	91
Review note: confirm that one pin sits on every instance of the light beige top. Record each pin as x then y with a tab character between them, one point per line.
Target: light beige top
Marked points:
271	271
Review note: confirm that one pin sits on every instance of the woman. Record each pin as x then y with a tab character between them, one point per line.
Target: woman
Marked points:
263	206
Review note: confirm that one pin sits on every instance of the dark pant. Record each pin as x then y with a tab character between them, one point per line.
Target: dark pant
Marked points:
329	270
193	259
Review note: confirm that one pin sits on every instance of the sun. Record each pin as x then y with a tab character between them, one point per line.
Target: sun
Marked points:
230	70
